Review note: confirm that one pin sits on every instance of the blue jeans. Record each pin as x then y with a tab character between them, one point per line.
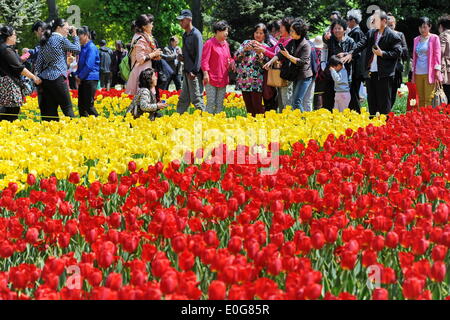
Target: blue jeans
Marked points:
299	95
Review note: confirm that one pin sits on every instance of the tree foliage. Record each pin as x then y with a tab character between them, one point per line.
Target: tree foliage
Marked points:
20	14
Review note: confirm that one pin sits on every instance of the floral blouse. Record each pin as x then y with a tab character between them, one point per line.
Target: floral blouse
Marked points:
144	101
250	72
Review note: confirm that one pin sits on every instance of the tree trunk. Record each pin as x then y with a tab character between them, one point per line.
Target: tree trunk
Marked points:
52	10
197	19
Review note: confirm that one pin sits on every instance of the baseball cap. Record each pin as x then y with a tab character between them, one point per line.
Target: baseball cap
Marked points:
185	14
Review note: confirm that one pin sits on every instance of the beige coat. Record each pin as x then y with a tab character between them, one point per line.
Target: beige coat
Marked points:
445	53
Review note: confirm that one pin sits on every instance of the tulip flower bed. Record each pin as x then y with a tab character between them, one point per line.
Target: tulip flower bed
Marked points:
94	147
368	206
115	103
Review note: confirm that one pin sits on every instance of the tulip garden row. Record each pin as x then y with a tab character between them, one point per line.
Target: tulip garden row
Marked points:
363	215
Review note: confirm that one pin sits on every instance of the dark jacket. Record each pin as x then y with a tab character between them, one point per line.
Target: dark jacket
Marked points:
118	56
405	54
106	57
10	64
302	69
391	45
192	51
358	62
171	56
335	47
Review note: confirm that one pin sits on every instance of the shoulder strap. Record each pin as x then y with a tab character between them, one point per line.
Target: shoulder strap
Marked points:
131	50
134	45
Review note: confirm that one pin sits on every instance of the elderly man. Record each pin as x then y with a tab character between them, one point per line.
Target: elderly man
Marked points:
384	48
192	57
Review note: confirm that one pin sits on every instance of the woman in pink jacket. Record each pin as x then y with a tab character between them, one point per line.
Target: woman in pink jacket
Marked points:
426	62
144	50
216	61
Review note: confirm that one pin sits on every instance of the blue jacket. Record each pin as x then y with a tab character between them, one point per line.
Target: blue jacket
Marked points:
89	62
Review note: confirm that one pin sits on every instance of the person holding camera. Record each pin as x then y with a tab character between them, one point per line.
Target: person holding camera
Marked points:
51	67
250	73
385	48
296	62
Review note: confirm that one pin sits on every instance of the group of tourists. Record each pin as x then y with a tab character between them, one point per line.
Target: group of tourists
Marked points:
278	66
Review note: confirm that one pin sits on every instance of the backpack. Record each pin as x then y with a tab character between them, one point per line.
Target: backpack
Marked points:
125	67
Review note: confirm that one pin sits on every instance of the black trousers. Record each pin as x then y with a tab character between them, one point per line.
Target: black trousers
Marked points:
72	82
395	86
54	94
355	86
176	78
117	79
447	92
379	92
86	98
328	95
10	114
105	80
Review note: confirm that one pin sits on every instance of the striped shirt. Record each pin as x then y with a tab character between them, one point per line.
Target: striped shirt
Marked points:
52	58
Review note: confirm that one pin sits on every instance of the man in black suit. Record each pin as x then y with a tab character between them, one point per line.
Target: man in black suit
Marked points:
354	18
384	49
398	79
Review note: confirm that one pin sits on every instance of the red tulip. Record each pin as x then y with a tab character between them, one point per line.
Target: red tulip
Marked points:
132	166
217	290
313	291
112	178
438	271
31	179
186	260
348	260
306	213
32	235
114	281
412	288
235	244
392	240
169	283
74	178
380	294
318	240
439	253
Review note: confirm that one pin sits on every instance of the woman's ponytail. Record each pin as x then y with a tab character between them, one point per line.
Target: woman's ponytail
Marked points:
51	27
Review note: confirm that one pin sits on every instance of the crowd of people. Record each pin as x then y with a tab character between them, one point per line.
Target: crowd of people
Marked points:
279	65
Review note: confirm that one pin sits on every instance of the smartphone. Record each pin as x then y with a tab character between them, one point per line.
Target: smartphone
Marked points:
282	48
25	56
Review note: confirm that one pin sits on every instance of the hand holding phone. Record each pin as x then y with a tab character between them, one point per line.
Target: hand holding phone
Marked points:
281	46
25	56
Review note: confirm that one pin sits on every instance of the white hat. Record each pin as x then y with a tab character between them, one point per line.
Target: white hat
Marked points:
318	42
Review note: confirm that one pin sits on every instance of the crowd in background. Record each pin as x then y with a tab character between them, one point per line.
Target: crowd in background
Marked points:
278	66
